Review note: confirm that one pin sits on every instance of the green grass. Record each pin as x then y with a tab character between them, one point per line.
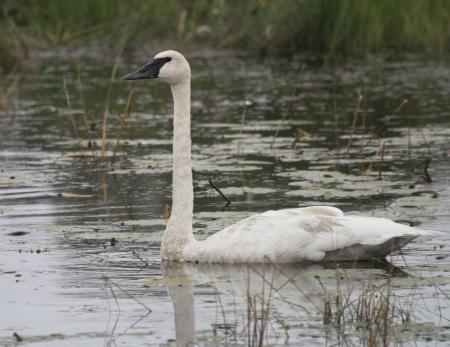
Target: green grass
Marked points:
275	27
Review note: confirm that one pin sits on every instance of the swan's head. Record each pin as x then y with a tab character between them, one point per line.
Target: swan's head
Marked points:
169	66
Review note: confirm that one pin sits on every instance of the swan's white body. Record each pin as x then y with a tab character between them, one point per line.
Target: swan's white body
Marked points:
318	233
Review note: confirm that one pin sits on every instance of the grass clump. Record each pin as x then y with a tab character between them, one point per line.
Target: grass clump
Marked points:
329	26
374	315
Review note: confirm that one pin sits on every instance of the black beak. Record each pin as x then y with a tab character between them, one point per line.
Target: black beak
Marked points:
150	70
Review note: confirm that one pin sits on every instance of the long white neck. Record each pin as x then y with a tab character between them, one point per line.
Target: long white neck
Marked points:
179	228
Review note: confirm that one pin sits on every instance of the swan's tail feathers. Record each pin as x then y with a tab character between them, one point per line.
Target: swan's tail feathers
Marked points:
361	252
424	233
397	243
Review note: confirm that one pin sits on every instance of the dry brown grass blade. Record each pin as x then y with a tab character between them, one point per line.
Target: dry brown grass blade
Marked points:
123	120
72	118
380	169
406	115
288	109
17	74
356	113
85	115
104	186
244	114
336	119
106	113
20	67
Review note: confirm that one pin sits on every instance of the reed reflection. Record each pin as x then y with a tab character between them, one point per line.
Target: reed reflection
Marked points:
267	303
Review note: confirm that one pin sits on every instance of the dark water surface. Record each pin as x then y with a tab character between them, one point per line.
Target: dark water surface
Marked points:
88	266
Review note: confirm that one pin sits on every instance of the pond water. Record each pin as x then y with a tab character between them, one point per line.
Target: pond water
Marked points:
81	225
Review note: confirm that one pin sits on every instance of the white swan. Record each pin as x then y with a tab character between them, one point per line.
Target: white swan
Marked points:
318	233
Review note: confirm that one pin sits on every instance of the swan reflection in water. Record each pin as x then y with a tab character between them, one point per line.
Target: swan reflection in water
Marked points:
265	303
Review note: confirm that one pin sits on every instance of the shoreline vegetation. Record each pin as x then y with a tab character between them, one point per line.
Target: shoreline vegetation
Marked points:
330	27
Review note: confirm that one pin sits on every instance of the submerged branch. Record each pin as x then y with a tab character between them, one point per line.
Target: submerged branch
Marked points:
220	192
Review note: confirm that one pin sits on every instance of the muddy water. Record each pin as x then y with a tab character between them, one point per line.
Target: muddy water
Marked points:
82	266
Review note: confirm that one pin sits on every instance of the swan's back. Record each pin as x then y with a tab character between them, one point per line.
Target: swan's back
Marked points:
318	233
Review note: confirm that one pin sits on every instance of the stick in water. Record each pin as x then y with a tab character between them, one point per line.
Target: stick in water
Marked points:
222	194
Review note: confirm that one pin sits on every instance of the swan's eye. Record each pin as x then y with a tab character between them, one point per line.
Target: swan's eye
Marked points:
163	59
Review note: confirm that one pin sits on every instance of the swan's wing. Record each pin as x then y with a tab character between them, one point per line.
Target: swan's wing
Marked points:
298	234
365	238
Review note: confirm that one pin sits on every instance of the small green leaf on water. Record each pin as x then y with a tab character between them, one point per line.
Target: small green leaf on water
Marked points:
327	196
303	132
167	211
332	184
